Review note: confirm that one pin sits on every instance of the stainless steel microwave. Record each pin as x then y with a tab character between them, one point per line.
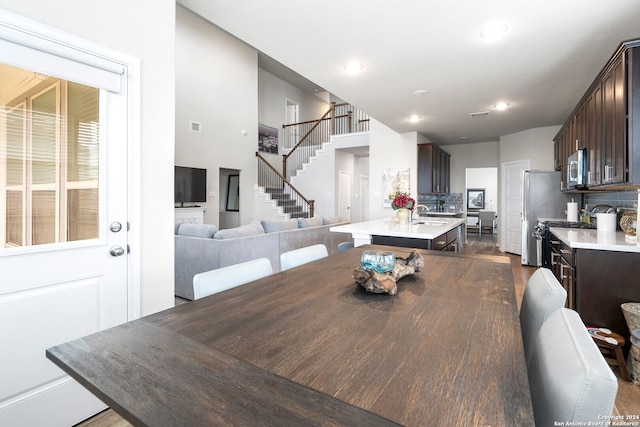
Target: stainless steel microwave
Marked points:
577	170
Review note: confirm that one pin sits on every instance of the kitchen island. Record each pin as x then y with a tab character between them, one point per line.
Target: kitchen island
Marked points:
423	233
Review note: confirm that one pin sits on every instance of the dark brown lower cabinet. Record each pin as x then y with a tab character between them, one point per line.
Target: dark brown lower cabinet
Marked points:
603	281
449	241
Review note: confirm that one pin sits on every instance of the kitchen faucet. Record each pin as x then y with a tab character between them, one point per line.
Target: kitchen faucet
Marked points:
426	208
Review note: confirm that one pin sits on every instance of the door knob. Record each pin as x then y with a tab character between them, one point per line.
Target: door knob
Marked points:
116	251
115	226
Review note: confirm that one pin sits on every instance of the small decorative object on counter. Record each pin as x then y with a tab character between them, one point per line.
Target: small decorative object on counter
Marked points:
378	283
628	224
404	204
403	215
380	261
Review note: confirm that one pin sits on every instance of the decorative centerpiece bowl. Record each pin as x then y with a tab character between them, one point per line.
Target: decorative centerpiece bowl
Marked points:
380	261
379	270
628	224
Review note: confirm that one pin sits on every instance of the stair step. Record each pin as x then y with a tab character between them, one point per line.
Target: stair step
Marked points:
280	197
274	190
299	215
292	209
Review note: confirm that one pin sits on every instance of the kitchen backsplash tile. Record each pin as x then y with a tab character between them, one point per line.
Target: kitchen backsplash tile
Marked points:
450	199
620	199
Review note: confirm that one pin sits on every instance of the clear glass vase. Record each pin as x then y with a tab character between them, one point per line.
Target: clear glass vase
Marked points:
380	261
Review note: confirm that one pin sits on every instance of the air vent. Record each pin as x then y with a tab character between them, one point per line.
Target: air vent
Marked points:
479	114
195	126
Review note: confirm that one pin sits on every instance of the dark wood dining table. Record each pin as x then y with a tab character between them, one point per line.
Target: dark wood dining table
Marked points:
308	346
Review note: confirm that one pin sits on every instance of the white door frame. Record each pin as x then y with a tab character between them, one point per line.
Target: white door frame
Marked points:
504	191
18	34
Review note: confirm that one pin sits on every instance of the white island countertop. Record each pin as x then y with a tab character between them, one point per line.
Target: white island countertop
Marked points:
419	228
578	238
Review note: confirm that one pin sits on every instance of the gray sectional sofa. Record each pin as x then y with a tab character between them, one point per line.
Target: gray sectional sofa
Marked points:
202	247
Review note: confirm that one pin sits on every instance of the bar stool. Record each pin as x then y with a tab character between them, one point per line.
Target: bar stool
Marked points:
610	345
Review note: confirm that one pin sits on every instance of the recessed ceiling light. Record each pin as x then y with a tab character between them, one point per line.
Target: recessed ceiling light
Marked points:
353	67
493	31
414	119
420	92
501	106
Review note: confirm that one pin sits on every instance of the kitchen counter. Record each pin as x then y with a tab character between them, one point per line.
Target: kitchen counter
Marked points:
420	228
596	240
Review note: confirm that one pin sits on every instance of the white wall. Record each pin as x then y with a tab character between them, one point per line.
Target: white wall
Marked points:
272	93
533	144
464	156
217	86
389	149
118	24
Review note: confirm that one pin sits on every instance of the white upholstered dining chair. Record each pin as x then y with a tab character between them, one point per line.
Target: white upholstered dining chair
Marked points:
221	279
568	377
301	256
542	296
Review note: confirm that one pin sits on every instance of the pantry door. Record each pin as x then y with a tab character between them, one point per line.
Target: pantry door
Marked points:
64	261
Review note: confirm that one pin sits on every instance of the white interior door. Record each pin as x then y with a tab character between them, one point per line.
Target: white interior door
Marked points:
364	198
292	115
64	249
511	226
344	195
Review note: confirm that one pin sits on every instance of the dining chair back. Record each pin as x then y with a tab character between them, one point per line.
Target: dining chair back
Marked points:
221	279
345	246
542	296
301	256
487	221
569	379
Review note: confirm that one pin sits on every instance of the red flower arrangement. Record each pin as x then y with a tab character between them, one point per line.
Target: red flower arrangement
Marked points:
402	200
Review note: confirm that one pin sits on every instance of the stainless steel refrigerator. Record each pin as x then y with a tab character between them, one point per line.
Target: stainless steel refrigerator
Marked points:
541	198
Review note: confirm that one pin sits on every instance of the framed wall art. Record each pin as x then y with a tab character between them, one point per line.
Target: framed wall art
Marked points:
393	181
475	198
267	139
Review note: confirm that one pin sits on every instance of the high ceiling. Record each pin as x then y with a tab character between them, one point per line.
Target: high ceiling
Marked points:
549	55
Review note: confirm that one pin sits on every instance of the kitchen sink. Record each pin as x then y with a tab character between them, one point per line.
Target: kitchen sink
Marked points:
427	222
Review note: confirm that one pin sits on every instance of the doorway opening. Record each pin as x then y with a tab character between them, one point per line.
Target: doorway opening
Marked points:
229	208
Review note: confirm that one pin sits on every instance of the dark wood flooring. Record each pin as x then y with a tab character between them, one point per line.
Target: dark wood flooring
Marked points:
628	398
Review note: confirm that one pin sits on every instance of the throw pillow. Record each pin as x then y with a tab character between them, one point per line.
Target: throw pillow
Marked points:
316	221
197	230
274	225
244	230
334	220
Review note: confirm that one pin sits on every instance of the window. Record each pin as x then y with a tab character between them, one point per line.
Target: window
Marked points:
49	159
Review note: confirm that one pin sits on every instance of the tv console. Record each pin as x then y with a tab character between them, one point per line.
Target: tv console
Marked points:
189	215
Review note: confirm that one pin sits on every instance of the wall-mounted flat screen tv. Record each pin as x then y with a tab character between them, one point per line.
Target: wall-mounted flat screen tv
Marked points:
190	185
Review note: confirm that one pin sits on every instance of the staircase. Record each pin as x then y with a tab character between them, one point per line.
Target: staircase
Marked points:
339	119
289	200
286	203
